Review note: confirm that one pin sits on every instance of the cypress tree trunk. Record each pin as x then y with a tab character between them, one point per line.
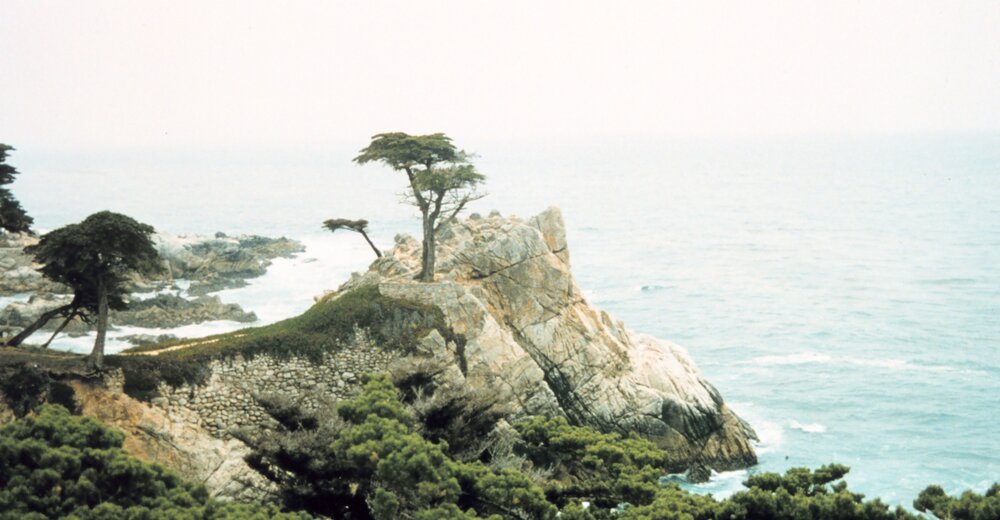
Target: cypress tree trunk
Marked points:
58	330
39	323
377	252
96	361
427	261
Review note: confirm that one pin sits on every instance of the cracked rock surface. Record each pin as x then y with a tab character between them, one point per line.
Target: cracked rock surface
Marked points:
505	286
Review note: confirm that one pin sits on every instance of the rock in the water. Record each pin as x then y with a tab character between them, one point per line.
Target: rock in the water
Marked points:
148	339
160	312
505	286
17	273
221	262
166	311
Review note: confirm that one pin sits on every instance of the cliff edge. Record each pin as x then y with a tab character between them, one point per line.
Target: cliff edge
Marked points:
523	329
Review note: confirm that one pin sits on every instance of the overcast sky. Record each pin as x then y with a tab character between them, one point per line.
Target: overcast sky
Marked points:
240	73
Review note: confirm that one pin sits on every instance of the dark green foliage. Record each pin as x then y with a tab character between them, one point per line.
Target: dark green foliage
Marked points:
968	506
604	468
95	259
460	417
13	218
143	374
56	465
803	494
63	395
358	226
104	248
400	151
368	461
24	387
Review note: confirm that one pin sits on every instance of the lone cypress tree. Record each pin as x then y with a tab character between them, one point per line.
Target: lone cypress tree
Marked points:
442	180
13	218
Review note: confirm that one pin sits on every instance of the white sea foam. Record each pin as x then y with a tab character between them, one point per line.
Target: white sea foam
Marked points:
801	358
808	428
770	436
17	297
897	364
719	485
808	358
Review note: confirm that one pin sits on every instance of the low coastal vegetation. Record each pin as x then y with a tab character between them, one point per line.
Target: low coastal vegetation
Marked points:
57	465
378	457
391	323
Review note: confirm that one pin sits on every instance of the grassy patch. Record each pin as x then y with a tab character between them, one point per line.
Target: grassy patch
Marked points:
391	324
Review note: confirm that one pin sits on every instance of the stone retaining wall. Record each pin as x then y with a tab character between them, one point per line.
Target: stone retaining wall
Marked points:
225	401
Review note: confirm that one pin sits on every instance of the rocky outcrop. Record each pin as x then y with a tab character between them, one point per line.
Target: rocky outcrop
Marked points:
17	273
166	311
222	262
527	332
517	325
161	311
153	435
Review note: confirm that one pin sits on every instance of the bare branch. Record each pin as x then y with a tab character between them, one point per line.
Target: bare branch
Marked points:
456	206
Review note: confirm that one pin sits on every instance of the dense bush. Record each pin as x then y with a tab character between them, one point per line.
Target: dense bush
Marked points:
56	465
367	460
968	506
24	387
370	457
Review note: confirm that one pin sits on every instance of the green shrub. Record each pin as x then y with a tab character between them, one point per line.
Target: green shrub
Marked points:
369	459
968	506
56	465
366	459
24	387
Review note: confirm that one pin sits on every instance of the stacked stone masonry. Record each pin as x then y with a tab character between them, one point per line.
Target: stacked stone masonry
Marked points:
227	399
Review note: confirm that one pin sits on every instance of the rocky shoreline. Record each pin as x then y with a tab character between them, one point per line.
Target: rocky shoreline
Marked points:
506	319
203	264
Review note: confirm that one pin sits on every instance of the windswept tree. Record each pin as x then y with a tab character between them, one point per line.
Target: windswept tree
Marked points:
96	259
442	180
13	218
358	226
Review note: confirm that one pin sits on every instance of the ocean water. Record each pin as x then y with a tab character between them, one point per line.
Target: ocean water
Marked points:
842	293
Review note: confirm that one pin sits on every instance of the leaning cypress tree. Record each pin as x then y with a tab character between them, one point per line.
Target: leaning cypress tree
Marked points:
96	258
13	218
358	226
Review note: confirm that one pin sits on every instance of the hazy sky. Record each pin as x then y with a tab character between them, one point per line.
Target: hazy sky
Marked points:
121	74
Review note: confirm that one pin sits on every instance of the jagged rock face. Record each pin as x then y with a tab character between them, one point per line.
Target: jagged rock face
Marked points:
153	435
505	286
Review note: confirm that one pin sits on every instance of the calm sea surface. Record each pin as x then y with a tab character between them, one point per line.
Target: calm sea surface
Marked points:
843	294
